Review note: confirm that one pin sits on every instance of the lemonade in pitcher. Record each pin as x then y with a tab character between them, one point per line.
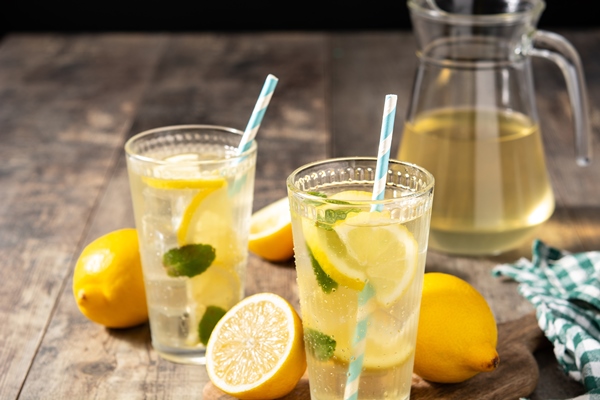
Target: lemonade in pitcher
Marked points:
192	211
492	188
359	269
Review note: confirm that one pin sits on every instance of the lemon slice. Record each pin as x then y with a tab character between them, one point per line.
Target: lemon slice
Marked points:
388	340
352	195
331	254
364	246
191	210
179	184
271	232
208	219
384	248
388	343
256	351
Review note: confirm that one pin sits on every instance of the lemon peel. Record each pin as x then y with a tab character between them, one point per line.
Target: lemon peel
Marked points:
467	346
108	285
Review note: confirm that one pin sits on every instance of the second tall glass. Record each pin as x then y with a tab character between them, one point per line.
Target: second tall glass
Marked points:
192	198
360	266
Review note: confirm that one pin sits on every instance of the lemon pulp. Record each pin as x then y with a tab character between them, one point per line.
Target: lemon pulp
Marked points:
256	350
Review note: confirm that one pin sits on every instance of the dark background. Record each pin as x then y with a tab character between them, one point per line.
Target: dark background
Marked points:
222	15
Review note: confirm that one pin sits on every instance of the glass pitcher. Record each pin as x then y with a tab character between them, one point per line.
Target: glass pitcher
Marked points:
472	120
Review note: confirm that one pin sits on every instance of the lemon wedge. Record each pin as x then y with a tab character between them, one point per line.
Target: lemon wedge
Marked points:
256	350
271	232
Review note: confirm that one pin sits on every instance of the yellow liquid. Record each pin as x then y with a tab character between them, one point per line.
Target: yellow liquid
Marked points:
387	369
491	185
176	305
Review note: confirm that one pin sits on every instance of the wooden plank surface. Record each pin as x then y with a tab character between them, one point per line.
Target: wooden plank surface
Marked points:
68	103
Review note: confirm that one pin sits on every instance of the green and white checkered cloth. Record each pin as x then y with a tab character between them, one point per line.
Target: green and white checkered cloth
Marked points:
564	288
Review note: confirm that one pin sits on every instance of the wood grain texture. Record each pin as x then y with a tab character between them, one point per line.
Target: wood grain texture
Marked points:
69	102
516	377
66	102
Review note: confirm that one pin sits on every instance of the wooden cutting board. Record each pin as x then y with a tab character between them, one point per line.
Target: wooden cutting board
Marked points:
516	376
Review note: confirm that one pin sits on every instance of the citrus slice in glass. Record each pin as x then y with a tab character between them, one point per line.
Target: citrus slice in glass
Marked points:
385	250
364	246
329	251
325	245
335	315
256	351
191	213
179	184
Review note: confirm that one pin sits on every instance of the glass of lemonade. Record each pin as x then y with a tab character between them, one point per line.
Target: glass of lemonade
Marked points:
192	198
360	265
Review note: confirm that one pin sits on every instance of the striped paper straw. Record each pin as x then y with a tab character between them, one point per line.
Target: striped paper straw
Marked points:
365	297
258	113
359	342
383	154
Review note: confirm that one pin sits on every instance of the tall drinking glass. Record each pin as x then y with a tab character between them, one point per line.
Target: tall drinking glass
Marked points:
360	274
192	198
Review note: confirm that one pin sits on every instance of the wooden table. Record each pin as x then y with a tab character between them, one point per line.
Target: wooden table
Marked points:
68	102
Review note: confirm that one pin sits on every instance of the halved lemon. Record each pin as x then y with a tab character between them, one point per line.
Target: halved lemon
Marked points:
256	351
271	232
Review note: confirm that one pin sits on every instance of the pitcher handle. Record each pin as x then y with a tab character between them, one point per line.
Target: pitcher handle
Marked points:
556	48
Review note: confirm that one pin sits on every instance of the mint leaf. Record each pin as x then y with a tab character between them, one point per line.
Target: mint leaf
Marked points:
209	320
318	194
320	345
325	282
189	260
332	216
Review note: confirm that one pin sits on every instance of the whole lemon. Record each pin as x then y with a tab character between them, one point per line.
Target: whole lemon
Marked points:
107	282
457	333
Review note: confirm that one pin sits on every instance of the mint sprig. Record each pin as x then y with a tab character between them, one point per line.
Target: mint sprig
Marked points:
209	320
326	283
320	345
189	260
331	216
317	194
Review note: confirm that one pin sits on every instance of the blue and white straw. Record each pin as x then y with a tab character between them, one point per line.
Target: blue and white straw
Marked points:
383	155
366	306
258	113
365	298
